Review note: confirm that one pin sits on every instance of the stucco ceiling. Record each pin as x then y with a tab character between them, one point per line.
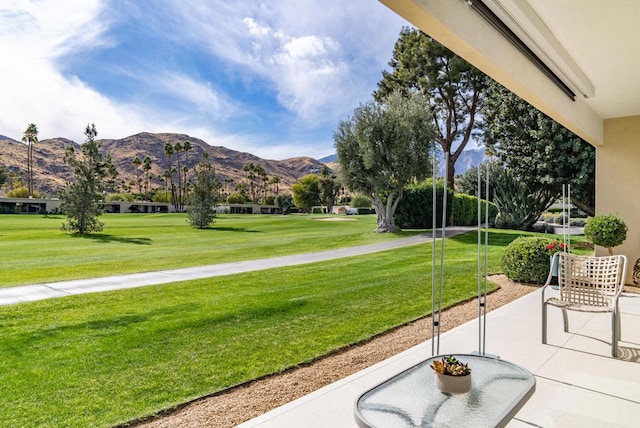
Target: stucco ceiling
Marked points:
603	38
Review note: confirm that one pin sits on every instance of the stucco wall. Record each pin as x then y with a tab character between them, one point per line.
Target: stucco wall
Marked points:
618	181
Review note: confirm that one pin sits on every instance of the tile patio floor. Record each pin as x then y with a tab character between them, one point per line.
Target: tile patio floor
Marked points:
578	383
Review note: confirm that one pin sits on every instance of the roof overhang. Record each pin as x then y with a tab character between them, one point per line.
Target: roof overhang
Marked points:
587	45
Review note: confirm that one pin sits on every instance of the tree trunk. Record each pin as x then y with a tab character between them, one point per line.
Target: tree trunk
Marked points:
588	210
384	213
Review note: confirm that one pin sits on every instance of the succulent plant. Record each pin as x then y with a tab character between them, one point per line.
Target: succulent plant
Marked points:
450	366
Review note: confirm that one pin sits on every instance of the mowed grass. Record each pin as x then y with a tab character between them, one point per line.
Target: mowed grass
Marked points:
34	249
103	359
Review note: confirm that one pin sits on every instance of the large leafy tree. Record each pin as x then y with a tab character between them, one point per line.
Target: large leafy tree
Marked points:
306	192
284	201
30	137
453	87
81	197
540	153
382	147
468	181
203	199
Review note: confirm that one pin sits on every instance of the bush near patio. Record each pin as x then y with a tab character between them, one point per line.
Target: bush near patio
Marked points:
606	231
526	259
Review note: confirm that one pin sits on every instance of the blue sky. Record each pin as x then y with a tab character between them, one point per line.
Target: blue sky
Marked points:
271	77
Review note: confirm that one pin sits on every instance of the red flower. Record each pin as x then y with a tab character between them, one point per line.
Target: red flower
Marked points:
556	246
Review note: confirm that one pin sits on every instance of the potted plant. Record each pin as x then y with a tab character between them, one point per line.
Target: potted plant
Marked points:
553	248
606	231
452	376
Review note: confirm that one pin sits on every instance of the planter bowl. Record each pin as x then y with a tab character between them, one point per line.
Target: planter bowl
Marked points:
453	384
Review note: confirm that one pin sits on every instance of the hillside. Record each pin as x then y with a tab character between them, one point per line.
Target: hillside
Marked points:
51	174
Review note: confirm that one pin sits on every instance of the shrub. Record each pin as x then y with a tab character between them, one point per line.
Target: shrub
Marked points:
547	217
543	228
163	197
526	259
579	222
115	197
20	192
465	210
270	200
236	198
606	231
414	209
360	201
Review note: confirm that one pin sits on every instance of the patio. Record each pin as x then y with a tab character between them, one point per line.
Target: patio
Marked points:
578	384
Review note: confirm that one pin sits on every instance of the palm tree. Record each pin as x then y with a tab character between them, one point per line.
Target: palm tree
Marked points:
275	181
177	148
165	175
30	137
186	147
250	169
168	152
227	182
262	174
137	162
146	165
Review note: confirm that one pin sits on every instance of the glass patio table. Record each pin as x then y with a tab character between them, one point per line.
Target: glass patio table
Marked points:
411	399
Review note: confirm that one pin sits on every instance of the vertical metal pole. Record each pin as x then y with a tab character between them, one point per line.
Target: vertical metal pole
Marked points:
479	259
433	257
486	261
564	213
568	249
444	227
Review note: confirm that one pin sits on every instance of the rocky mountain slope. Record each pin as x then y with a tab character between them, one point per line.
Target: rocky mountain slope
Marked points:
51	173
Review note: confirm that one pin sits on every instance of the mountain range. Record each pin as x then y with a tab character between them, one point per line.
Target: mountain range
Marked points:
51	173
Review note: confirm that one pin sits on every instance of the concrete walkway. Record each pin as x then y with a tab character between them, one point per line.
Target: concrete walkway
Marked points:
30	293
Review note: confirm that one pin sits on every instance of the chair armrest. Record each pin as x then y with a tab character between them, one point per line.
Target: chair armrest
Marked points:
623	262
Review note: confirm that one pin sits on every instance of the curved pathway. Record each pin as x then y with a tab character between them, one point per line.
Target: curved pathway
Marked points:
30	293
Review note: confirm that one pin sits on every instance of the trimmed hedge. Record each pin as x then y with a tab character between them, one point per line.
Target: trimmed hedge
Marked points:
527	259
465	210
414	210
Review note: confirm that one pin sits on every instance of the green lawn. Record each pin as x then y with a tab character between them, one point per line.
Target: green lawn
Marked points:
34	249
103	359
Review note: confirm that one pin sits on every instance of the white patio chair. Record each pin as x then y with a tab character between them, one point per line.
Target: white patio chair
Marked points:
587	284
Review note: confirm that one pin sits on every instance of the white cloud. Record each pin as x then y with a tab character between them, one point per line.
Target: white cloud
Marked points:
295	46
34	36
194	93
316	58
254	28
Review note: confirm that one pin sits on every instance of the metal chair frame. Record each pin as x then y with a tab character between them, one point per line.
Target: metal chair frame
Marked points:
587	284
